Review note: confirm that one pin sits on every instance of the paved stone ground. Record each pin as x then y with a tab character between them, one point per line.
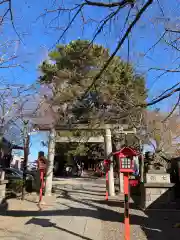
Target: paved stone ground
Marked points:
79	212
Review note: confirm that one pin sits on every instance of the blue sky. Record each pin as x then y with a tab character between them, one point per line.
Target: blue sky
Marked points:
36	145
38	38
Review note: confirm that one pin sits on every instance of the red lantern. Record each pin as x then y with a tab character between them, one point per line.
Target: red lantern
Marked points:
126	161
126	164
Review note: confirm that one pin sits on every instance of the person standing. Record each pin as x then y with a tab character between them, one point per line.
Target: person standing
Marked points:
82	166
41	167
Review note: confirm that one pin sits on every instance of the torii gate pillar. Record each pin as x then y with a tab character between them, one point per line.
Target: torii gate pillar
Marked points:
108	151
51	154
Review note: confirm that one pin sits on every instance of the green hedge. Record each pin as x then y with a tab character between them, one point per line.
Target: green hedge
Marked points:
15	185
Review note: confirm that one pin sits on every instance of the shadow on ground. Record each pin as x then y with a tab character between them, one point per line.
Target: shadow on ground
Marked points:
46	223
156	225
115	203
82	191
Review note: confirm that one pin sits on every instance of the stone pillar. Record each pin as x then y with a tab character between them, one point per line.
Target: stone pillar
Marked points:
157	192
108	149
142	168
51	153
3	190
121	180
2	175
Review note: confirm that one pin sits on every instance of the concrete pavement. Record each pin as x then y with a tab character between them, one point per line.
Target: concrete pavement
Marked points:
64	217
78	211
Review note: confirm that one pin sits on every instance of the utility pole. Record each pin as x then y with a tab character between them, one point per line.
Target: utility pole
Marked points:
26	153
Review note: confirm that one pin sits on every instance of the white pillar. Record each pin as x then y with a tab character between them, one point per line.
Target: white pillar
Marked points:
108	149
121	179
51	154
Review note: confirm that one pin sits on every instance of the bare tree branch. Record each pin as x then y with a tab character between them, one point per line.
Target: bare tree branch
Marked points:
172	31
3	17
121	4
156	43
70	23
1	2
133	23
12	21
9	11
59	9
10	66
163	97
165	70
174	108
115	6
166	91
6	60
108	18
171	45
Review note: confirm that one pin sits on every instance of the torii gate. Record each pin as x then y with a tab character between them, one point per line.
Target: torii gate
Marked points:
107	140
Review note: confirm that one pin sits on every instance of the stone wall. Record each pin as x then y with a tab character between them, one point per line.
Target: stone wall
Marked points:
158	178
157	195
158	191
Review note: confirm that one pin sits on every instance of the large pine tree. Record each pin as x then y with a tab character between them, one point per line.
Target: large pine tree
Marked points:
115	95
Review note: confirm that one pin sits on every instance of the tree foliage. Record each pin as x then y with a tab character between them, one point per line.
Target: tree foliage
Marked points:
72	68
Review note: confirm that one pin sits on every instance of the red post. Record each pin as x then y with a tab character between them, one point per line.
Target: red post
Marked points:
42	184
126	157
107	182
126	207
